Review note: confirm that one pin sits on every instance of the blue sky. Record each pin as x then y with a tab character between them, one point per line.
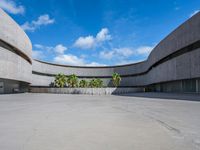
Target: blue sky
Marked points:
97	32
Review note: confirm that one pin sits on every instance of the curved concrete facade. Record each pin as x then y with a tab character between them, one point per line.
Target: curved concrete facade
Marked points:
173	65
15	56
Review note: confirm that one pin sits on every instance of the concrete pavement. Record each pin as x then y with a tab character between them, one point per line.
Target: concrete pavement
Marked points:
82	122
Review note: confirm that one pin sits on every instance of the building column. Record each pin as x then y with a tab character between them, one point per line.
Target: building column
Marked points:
181	85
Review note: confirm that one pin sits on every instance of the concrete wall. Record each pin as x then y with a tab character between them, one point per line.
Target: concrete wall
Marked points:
90	91
11	32
14	67
183	86
15	54
12	86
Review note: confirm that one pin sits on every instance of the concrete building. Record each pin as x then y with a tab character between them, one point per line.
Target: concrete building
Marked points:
172	66
15	56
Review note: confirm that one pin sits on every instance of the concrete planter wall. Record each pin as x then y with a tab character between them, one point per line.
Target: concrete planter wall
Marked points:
89	91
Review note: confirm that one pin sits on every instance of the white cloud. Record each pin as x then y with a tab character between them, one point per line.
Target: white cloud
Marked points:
39	46
117	53
28	27
60	49
60	57
107	54
194	12
95	64
120	56
42	20
125	52
144	50
103	35
89	42
85	42
11	7
122	62
69	59
37	54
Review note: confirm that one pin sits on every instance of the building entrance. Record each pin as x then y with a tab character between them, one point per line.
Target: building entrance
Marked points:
1	87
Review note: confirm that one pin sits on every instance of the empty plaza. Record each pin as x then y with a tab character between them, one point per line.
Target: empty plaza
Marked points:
71	122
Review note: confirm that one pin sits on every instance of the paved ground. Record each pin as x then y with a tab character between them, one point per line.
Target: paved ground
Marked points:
80	122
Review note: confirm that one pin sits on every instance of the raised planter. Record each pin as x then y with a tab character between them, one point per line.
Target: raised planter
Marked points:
89	91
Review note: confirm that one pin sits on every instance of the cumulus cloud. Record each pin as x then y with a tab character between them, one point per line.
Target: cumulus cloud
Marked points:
59	49
33	25
11	7
107	54
117	53
85	42
103	35
89	42
124	52
122	62
144	50
43	20
61	57
95	64
39	46
69	59
124	55
37	54
28	27
194	12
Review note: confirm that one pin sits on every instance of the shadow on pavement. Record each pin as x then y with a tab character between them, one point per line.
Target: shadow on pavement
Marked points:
172	96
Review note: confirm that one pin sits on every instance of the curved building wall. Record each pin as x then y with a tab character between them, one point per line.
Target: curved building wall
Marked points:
15	56
12	34
175	58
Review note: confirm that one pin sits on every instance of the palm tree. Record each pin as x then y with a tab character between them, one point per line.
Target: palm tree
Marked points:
83	83
116	79
99	83
72	80
92	83
60	80
96	83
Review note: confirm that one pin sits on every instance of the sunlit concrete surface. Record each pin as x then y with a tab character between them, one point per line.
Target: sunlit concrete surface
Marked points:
82	122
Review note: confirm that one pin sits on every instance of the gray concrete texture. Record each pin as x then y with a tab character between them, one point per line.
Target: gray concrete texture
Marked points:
11	32
14	67
82	122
